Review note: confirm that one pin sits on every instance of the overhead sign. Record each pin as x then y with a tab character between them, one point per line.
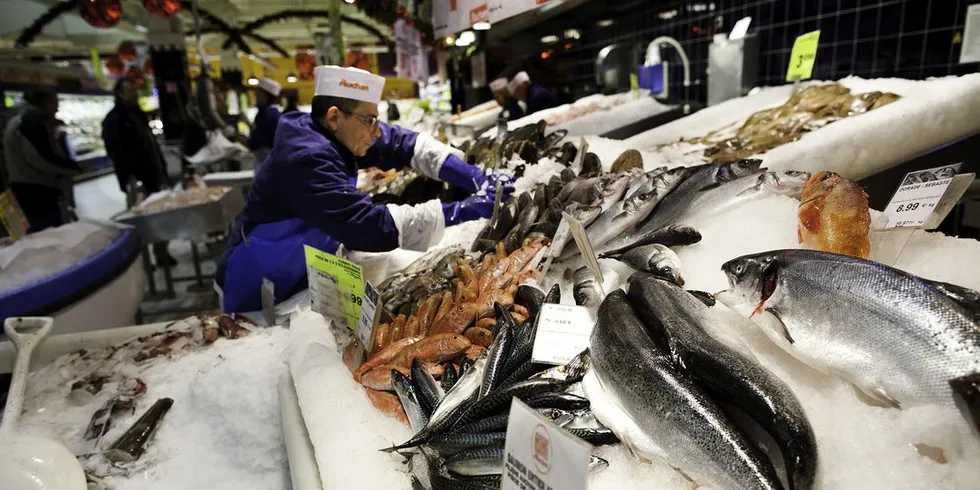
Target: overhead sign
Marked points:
503	9
454	16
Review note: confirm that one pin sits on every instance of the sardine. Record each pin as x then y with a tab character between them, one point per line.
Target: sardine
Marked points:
499	400
587	290
897	337
559	417
496	359
677	320
670	236
496	423
440	479
655	259
428	390
613	228
596	437
613	192
449	377
491	462
455	403
561	401
659	412
409	398
728	195
644	183
453	442
569	373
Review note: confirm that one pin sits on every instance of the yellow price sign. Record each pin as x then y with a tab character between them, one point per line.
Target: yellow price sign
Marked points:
802	58
12	216
336	286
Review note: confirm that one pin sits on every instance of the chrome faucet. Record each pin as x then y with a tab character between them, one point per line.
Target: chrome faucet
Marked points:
653	58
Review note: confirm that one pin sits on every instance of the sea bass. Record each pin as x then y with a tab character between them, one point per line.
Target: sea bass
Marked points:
897	337
691	181
727	195
656	259
661	413
626	214
676	320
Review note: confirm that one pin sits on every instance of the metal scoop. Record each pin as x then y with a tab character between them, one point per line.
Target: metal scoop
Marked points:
31	462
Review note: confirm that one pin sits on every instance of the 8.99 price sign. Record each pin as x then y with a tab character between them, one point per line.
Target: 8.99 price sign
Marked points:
918	196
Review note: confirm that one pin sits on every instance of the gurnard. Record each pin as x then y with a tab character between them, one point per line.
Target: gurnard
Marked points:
676	321
899	338
667	415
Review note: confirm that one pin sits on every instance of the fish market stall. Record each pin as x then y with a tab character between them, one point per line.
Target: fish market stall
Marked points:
85	274
217	375
881	435
855	141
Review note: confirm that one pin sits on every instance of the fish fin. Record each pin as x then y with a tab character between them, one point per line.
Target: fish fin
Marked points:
966	394
965	297
876	396
710	186
775	314
707	298
619	217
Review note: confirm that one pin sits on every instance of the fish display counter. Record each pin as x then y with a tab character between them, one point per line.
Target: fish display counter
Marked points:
816	129
773	341
84	274
595	114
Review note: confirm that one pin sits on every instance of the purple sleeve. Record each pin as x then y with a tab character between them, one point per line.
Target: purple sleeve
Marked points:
393	149
323	196
264	129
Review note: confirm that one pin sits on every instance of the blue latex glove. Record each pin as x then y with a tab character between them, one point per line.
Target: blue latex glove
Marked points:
469	209
472	178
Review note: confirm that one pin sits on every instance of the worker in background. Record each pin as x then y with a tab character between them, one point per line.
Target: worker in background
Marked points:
38	162
533	97
134	151
292	102
263	133
306	194
511	109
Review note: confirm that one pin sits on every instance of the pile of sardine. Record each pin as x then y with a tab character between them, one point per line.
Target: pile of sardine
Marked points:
460	423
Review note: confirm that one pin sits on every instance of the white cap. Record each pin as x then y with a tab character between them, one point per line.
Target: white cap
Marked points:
349	83
271	86
521	77
498	84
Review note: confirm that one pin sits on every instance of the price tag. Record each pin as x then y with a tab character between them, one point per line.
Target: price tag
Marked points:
561	238
583	148
540	455
367	319
802	58
12	216
336	286
563	333
584	245
918	196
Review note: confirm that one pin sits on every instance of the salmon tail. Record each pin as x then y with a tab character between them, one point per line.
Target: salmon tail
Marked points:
966	393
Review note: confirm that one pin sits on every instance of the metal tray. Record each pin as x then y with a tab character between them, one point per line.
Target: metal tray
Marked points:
194	221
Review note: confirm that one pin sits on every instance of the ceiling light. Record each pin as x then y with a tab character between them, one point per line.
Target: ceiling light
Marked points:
349	1
291	78
450	41
481	26
572	34
140	28
549	39
605	23
466	38
668	14
253	81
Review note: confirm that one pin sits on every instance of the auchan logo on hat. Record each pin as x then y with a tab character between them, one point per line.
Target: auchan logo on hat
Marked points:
354	85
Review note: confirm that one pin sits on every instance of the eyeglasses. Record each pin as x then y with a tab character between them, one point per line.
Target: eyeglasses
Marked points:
371	121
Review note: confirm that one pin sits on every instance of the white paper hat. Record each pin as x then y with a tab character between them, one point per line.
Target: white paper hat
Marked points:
498	84
349	83
521	77
271	86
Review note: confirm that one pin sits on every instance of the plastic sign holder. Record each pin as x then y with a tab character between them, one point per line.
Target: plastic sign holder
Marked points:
336	287
539	455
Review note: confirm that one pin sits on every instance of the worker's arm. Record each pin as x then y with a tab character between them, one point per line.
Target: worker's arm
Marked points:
398	147
263	131
328	200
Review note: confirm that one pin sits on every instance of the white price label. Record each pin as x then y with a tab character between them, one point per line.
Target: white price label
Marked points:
563	333
918	196
584	245
369	306
540	455
561	238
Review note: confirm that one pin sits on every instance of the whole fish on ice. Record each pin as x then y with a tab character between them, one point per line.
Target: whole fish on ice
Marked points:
897	337
656	259
677	320
659	413
834	216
